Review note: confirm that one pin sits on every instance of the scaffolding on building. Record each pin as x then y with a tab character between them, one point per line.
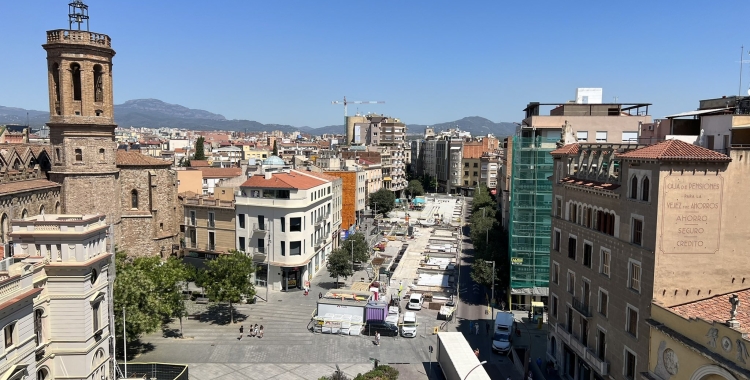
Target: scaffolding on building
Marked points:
530	214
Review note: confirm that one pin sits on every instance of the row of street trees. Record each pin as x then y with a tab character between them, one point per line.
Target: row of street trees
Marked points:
151	290
489	240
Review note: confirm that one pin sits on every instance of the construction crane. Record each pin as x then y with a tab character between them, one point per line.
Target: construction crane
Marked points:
347	102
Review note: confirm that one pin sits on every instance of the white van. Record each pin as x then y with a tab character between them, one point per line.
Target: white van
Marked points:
415	301
502	337
409	327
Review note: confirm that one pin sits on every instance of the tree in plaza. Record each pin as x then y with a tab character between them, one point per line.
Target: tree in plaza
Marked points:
361	249
415	188
339	264
384	199
482	198
429	183
168	277
227	278
275	148
135	292
381	372
200	154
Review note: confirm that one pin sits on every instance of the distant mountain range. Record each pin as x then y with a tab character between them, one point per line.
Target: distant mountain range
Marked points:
154	113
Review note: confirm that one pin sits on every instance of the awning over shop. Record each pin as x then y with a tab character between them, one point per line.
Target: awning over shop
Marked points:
387	179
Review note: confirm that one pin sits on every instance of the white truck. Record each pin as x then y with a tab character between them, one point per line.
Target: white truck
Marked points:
457	359
502	336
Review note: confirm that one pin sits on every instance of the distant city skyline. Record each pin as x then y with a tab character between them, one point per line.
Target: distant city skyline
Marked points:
284	62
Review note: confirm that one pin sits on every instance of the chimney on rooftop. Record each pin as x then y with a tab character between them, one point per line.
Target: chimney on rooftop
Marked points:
268	175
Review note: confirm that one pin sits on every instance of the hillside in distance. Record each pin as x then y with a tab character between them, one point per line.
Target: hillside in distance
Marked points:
154	113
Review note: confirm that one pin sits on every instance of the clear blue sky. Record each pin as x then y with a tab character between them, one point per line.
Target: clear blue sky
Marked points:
431	61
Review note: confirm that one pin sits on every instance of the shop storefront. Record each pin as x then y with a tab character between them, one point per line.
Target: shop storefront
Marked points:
291	278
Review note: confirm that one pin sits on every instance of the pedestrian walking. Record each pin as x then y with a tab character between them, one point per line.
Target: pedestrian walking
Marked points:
476	352
242	332
255	330
377	338
476	328
261	331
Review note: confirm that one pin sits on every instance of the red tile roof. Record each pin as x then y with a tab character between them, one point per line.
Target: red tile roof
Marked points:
220	172
129	158
566	150
199	163
590	183
322	176
675	150
291	180
718	309
21	186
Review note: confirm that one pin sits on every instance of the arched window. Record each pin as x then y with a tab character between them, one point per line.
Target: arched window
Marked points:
38	329
17	164
101	154
42	374
41	210
79	155
644	189
634	188
55	71
75	76
98	85
57	207
134	199
24	214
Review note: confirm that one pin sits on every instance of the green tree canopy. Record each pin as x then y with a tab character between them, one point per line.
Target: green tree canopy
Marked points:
200	153
228	278
429	183
385	200
149	291
339	264
275	148
361	249
415	188
382	372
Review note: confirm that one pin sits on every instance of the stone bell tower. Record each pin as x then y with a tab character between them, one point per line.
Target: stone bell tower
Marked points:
82	126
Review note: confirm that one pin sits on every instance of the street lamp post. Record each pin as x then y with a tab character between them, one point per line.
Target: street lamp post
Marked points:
475	367
492	305
352	258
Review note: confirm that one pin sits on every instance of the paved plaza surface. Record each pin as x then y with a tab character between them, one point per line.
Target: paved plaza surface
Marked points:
289	350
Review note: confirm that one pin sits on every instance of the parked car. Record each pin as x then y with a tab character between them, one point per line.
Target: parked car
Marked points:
415	301
385	328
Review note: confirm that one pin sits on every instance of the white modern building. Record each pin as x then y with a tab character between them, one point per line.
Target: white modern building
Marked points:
288	216
55	299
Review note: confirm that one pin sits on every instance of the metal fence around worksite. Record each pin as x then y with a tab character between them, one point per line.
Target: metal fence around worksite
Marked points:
157	371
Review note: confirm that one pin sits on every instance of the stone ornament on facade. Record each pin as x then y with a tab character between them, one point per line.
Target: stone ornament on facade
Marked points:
742	354
726	344
713	334
661	370
670	361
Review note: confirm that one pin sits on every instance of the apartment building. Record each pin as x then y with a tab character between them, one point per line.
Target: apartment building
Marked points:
634	225
429	164
55	299
489	165
373	178
208	228
417	158
288	218
530	197
386	135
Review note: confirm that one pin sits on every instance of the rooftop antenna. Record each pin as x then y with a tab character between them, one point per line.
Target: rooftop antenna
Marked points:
78	13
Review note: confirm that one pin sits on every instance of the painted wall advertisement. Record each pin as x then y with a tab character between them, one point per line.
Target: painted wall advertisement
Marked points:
691	216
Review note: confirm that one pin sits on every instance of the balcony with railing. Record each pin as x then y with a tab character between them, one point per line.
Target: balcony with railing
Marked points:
211	223
582	307
210	246
66	36
262	228
599	365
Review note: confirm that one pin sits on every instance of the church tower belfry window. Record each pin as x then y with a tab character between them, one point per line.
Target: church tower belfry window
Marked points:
75	79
